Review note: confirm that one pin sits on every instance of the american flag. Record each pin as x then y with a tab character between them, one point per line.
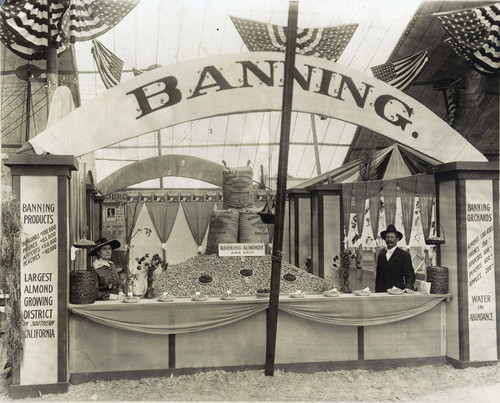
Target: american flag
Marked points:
109	65
24	24
401	73
328	43
475	36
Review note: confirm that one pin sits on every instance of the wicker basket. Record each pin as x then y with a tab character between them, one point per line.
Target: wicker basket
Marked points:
83	286
438	277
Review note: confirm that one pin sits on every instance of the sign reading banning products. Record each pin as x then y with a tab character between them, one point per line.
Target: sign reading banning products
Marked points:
251	82
480	269
242	249
39	285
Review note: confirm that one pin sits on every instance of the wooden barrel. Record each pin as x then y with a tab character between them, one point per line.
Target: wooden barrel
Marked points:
83	286
438	277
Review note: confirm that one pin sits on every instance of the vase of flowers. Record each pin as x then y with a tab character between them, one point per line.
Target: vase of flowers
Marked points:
147	266
342	263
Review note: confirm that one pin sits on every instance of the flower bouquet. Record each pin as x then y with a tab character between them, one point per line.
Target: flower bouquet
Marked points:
343	259
147	266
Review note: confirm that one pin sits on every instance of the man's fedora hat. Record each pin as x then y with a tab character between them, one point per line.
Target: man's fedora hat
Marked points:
391	228
101	242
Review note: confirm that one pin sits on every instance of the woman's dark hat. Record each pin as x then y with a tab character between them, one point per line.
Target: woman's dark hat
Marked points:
391	228
101	242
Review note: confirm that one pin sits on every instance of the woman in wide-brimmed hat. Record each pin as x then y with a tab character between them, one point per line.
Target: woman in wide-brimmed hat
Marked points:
108	278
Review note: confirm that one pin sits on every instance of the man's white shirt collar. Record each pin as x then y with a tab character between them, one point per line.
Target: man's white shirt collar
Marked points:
390	252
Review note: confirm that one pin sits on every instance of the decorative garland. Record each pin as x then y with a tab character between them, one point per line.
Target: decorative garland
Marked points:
13	339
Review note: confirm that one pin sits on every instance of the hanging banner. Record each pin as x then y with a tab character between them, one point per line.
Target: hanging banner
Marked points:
251	82
39	280
481	270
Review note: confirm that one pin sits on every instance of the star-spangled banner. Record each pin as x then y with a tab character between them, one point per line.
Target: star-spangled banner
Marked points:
475	37
109	65
24	24
327	43
401	73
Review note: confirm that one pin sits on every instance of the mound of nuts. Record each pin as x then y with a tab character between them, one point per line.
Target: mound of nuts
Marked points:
183	279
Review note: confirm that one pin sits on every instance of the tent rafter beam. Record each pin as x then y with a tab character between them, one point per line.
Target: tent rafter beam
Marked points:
296	143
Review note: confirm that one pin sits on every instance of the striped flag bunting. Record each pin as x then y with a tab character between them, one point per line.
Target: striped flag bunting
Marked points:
475	37
451	98
109	65
402	72
24	24
327	43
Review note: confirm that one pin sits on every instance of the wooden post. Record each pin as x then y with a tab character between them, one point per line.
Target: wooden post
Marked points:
43	181
316	150
28	102
51	57
272	317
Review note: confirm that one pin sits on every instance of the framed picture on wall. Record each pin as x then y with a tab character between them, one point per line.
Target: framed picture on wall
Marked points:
110	213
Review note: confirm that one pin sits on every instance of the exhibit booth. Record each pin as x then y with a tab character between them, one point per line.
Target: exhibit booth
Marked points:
112	339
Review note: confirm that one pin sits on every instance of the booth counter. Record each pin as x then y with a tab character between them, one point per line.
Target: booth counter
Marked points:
112	339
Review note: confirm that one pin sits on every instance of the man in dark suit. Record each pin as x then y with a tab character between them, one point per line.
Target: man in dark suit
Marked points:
394	267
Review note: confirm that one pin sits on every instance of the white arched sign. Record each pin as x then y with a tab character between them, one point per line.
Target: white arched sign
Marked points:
251	82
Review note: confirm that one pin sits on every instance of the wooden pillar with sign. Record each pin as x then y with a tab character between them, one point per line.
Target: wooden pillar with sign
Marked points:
41	183
468	218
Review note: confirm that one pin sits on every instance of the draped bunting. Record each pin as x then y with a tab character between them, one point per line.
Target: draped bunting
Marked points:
198	217
132	213
426	194
25	24
185	316
374	189
166	318
360	195
376	312
390	193
163	217
346	204
408	188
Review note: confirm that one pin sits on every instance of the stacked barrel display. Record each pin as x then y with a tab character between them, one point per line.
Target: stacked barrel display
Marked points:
238	221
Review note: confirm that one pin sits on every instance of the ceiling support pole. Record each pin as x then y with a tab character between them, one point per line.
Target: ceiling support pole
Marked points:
272	313
316	150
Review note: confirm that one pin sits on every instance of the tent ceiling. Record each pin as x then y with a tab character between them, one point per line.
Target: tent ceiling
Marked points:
166	32
395	161
476	120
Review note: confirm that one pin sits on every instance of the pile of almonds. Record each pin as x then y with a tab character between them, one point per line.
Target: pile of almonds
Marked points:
182	280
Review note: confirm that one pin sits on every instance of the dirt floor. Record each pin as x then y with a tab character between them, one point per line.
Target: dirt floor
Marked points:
432	383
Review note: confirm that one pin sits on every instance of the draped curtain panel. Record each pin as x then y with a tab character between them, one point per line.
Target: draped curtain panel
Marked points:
132	211
390	193
163	318
426	193
346	204
185	316
198	218
408	188
360	193
270	230
370	314
163	216
374	190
